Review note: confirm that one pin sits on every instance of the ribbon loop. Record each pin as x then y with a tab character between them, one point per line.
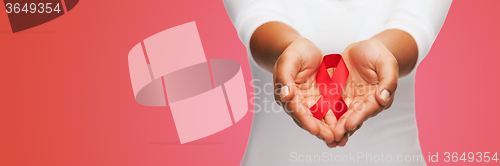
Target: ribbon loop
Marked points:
331	87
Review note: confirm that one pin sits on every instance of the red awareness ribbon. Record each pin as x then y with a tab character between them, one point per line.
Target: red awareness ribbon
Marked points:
331	87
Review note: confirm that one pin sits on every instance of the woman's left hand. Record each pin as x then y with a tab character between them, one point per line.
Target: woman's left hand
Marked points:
370	87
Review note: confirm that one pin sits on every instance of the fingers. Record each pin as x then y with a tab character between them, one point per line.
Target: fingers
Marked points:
303	117
388	105
339	130
298	109
291	70
298	123
387	71
333	144
361	112
330	119
350	133
344	140
296	64
286	69
325	132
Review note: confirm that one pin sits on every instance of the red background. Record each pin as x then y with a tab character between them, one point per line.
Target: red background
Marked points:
66	97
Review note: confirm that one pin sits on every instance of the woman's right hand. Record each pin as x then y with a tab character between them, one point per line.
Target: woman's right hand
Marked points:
296	90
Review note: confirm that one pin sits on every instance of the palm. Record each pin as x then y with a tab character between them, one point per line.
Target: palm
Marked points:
366	62
296	69
362	83
357	89
359	92
361	87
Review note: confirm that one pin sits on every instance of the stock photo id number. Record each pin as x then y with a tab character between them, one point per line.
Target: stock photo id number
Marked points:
26	14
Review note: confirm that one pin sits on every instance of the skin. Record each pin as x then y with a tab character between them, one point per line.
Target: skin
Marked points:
374	66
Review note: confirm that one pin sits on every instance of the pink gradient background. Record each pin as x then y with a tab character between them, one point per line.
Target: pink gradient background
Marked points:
66	97
457	95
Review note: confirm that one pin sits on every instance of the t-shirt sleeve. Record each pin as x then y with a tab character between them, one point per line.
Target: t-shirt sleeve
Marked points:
422	19
248	15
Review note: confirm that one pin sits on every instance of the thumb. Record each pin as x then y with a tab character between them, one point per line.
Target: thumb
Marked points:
387	71
286	70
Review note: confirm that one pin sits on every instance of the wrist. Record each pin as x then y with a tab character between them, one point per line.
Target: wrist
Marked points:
402	46
269	41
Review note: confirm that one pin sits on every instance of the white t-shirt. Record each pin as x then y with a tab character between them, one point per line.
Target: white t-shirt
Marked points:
391	138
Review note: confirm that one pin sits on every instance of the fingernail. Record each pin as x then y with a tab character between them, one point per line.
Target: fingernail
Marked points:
284	92
385	95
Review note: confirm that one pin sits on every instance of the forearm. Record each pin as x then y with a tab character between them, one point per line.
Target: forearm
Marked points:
272	38
402	46
269	41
